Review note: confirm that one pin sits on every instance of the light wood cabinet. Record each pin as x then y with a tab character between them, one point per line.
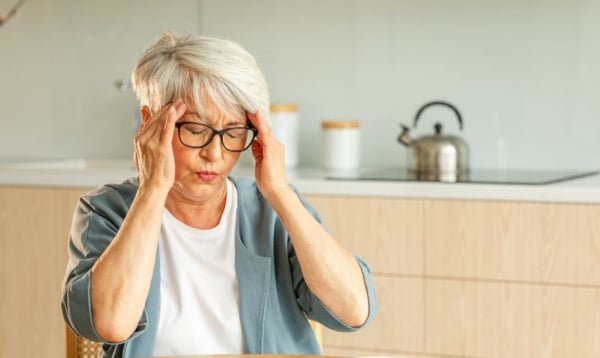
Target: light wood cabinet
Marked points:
34	227
473	278
454	278
499	319
525	242
387	233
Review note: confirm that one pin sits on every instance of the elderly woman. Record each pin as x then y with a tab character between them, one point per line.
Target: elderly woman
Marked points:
185	259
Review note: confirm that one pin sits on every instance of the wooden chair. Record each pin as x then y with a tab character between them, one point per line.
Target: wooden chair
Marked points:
318	329
79	347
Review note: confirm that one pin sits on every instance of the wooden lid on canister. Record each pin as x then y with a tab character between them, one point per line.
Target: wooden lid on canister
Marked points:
284	107
340	124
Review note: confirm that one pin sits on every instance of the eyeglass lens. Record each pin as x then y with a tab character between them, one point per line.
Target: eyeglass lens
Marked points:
199	135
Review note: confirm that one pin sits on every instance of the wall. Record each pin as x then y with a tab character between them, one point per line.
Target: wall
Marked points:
523	73
59	60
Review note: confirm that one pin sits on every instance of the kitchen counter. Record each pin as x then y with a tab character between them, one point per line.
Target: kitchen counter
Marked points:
92	173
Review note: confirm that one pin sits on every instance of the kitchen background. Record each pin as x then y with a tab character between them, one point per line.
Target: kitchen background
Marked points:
525	74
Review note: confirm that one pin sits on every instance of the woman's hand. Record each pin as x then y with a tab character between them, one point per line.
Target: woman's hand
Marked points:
330	271
269	155
121	276
153	154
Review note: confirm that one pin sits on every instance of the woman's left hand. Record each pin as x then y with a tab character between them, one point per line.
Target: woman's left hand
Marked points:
330	271
269	155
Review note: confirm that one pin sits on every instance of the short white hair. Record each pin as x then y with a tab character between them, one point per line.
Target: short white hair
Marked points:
200	68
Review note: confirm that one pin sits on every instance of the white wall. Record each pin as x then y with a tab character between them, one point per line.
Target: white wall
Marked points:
525	74
59	60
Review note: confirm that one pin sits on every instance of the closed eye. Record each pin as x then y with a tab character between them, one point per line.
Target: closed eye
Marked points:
193	128
236	132
196	132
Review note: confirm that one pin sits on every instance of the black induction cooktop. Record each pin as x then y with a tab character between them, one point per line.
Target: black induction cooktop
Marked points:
483	176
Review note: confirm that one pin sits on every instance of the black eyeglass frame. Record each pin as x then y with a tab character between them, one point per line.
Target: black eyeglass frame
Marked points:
254	131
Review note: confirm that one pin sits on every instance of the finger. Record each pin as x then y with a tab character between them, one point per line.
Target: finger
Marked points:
257	151
259	122
175	112
264	131
161	114
154	117
149	131
166	130
180	108
164	119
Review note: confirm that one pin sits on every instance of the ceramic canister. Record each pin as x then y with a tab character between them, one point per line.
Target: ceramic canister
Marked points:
284	125
341	145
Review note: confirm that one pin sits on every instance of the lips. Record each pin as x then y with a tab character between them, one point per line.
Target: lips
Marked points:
207	175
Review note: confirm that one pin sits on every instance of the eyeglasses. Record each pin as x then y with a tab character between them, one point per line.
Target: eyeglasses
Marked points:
233	139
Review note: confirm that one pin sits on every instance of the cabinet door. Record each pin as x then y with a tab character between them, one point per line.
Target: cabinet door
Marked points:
473	278
399	325
387	233
511	279
469	318
526	242
34	228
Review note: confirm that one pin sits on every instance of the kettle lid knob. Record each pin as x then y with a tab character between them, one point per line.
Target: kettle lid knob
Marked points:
438	128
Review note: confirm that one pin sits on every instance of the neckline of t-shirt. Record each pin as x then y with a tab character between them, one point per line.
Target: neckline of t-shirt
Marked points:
212	232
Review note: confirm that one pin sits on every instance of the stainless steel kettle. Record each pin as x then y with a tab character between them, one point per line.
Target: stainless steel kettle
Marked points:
436	157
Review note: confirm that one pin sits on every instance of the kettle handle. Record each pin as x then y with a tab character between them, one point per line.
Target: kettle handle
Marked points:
438	103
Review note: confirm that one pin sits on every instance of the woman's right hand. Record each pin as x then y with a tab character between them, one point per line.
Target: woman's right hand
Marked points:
121	276
153	154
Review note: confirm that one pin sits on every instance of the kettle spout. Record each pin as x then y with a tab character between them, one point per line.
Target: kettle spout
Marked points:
404	137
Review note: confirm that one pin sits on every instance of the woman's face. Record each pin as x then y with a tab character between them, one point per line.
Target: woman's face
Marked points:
201	173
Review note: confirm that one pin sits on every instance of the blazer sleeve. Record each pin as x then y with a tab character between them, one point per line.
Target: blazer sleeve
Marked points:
96	221
312	306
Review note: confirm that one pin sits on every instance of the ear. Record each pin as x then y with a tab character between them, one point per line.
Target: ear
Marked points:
145	113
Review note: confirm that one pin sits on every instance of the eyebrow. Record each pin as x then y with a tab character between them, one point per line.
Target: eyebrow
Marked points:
206	119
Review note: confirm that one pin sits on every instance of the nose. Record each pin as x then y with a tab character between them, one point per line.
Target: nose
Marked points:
214	149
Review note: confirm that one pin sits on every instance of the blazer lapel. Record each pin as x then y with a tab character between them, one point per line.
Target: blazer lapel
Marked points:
254	278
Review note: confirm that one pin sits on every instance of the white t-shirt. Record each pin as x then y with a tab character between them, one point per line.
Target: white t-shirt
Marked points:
199	300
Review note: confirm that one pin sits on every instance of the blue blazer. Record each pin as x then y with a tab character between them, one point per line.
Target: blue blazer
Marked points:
274	299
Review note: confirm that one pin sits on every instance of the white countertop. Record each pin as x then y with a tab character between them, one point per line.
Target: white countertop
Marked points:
92	173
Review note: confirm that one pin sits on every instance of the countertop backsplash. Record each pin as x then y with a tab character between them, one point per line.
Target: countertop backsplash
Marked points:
523	74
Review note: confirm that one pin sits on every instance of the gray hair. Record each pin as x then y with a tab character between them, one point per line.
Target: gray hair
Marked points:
200	68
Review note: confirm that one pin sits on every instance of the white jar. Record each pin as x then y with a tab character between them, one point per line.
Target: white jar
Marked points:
341	145
284	126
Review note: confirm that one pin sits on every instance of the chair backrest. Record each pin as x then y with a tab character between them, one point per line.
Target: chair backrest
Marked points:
318	329
79	347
